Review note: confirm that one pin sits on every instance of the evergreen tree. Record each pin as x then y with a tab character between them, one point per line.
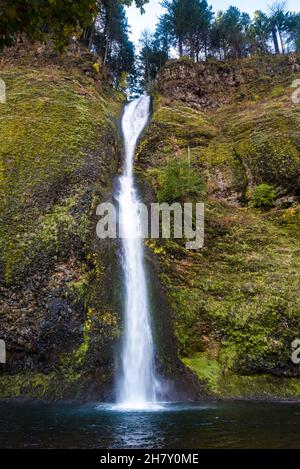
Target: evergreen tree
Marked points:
111	39
293	31
259	33
36	19
187	22
230	33
176	21
59	18
150	60
198	31
278	22
162	37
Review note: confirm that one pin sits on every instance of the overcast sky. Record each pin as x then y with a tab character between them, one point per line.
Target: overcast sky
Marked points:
139	22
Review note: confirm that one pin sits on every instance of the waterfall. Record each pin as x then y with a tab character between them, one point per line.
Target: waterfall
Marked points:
136	386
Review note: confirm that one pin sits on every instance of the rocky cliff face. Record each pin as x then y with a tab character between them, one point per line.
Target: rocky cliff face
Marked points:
229	311
213	84
61	293
59	151
235	302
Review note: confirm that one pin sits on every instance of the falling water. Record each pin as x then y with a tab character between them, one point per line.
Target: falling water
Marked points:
136	388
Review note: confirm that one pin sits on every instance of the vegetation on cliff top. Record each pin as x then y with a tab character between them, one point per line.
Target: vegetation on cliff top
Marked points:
201	35
96	25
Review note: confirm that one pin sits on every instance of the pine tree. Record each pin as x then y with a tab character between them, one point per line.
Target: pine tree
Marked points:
111	39
230	33
278	21
293	31
150	60
60	19
259	33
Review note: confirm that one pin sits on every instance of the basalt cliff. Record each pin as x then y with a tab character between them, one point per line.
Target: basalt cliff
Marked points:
225	316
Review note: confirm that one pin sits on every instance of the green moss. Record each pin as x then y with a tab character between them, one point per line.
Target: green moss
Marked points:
235	304
25	385
266	143
220	382
208	370
173	129
77	357
278	91
52	129
243	287
263	196
58	151
259	387
49	234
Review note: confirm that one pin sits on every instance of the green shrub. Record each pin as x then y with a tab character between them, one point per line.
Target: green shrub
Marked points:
179	182
263	196
277	91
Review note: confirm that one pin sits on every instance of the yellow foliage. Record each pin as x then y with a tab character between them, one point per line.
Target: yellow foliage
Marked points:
96	68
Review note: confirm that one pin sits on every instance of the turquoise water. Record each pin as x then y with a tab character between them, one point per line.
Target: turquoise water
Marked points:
196	426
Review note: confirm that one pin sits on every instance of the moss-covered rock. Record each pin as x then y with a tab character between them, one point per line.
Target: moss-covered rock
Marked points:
235	302
214	83
59	150
232	309
229	385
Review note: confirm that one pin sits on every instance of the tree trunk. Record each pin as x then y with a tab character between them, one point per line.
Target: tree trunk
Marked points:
275	39
107	46
91	41
180	47
84	36
281	42
193	48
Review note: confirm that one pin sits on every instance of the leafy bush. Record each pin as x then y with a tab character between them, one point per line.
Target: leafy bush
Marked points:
277	91
263	196
179	182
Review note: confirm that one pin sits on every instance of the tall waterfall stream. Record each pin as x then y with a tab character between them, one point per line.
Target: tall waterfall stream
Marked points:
137	381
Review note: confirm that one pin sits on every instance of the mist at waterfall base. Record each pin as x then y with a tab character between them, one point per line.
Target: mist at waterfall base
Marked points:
137	382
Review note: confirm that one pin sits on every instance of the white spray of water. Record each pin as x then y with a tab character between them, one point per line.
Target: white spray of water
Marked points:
136	387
